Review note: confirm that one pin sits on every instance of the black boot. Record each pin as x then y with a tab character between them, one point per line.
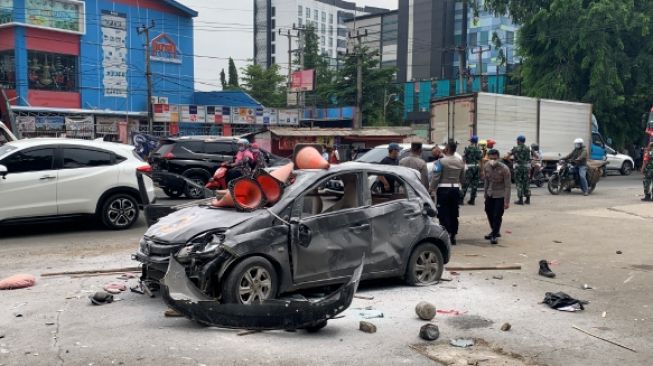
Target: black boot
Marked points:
494	240
471	201
520	201
647	197
545	270
452	238
490	236
528	200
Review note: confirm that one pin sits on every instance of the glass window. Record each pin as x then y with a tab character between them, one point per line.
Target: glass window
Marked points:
315	13
323	28
74	158
190	147
7	70
300	10
273	11
484	38
387	188
330	18
308	13
224	148
323	17
51	71
322	41
330	41
273	36
272	49
29	161
473	40
273	23
320	200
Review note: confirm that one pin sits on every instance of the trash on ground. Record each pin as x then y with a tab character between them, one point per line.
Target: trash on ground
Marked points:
172	313
603	339
425	310
17	281
370	314
557	241
563	302
605	313
18	315
508	231
506	327
629	279
462	342
115	287
497	277
101	298
619	252
366	327
49	323
126	276
451	312
429	332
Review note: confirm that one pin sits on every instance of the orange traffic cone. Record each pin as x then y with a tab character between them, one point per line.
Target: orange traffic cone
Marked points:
225	201
283	173
247	194
309	158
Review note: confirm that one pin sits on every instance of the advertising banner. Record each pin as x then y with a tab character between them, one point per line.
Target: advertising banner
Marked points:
62	15
288	117
243	115
107	125
49	123
114	53
164	49
79	126
303	80
26	123
161	113
193	113
218	114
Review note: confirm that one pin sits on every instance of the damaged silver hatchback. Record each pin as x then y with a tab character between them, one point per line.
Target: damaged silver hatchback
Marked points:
310	238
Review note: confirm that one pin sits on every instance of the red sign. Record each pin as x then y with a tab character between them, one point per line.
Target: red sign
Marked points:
303	80
164	49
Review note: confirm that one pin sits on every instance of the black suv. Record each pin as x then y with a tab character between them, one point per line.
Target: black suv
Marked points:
195	158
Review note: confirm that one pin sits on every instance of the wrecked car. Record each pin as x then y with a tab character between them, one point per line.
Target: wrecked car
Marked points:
309	238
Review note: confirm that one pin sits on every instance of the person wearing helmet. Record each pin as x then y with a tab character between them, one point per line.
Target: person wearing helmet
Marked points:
392	159
491	143
472	157
536	160
243	159
522	157
258	161
579	157
647	170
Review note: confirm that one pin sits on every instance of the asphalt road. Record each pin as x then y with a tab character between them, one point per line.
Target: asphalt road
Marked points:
580	235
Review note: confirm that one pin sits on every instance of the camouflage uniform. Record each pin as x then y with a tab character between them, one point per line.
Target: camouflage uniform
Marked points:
472	157
522	156
648	173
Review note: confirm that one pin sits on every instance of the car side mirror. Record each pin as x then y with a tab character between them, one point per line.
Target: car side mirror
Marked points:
3	171
429	211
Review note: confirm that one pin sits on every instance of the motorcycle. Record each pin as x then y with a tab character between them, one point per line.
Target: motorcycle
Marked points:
537	176
565	176
219	179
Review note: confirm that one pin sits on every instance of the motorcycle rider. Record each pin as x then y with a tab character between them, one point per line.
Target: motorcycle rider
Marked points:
522	155
258	161
647	170
579	156
241	166
472	157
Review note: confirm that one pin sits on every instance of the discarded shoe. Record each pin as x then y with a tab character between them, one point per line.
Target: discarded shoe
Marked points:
101	298
545	270
647	198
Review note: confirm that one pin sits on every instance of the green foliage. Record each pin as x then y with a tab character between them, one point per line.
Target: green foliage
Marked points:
595	51
233	75
223	80
265	85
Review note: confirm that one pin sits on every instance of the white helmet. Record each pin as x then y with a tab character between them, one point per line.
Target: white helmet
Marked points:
578	141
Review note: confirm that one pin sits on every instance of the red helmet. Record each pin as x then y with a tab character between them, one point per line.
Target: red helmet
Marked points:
490	143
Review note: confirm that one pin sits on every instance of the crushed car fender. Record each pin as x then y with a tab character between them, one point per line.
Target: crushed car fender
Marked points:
180	294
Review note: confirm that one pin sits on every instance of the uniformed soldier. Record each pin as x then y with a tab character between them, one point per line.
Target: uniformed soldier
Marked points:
647	170
522	157
472	157
448	173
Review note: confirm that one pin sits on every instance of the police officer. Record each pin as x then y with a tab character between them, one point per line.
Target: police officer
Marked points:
448	173
647	170
472	157
497	193
522	156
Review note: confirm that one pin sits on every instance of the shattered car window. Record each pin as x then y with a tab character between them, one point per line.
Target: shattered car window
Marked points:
387	188
318	201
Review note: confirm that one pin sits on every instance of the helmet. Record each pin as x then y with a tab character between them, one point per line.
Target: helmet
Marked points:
535	146
394	146
490	143
482	142
254	146
473	139
521	138
243	142
578	141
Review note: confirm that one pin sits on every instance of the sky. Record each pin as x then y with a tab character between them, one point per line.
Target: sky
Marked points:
225	29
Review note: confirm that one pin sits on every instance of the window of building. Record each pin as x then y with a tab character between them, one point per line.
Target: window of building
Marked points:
51	71
308	13
299	21
485	36
273	36
323	51
315	14
330	18
7	70
323	28
330	30
342	43
322	41
84	158
473	39
330	41
273	49
273	60
510	37
323	17
273	24
273	11
342	32
29	161
300	10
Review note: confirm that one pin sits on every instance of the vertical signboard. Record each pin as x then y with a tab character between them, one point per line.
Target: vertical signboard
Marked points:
114	53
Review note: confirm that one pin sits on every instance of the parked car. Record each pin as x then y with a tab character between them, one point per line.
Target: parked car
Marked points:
305	240
54	178
6	135
195	158
619	162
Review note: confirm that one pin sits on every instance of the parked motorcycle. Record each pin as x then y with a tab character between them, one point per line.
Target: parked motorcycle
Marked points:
565	178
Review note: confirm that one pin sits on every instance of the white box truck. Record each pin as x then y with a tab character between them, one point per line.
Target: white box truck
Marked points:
553	124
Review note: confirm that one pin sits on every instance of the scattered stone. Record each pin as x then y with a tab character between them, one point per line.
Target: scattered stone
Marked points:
557	241
429	332
514	285
497	277
619	252
461	342
425	310
586	287
18	315
367	327
506	327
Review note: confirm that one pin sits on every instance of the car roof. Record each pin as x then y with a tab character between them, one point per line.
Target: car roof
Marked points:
40	141
204	138
405	146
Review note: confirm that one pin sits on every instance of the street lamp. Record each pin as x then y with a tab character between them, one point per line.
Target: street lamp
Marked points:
386	100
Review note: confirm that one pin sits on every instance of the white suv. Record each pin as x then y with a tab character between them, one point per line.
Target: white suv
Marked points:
45	178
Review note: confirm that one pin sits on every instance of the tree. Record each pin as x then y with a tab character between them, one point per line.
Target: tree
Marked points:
265	85
324	74
233	75
595	51
501	56
223	80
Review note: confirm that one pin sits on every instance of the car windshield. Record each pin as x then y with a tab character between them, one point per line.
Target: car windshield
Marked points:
6	149
374	156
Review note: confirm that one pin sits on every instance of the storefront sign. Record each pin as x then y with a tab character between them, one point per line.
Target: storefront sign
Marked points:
79	126
114	59
164	49
62	15
26	123
288	117
6	11
218	114
106	125
193	113
243	115
161	112
303	80
49	123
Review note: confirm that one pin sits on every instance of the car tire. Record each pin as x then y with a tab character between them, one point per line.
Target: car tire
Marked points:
172	193
425	254
195	192
119	211
255	274
626	168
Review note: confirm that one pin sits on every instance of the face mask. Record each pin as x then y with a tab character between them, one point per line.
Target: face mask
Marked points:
492	163
578	146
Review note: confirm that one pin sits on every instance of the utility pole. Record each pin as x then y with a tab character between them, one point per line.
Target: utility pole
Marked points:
462	49
290	36
358	121
300	49
148	73
479	52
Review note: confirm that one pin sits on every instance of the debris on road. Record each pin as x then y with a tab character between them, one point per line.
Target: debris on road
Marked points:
101	298
629	279
172	313
366	327
603	339
545	270
363	297
429	332
506	327
462	342
484	268
370	314
605	313
619	252
126	276
497	277
586	287
17	281
451	312
49	323
92	272
115	287
563	302
481	354
425	310
557	241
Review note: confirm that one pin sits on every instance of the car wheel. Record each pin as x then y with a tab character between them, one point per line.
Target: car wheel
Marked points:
119	211
250	282
425	265
172	193
195	191
626	168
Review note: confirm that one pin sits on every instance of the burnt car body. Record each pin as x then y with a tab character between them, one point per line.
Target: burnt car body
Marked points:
307	239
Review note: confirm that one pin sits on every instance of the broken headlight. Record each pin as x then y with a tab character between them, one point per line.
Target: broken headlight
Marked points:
205	243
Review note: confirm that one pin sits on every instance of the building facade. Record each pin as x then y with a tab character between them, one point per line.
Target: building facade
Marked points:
382	34
74	60
327	16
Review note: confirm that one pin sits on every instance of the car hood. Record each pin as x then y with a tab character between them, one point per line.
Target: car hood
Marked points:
622	156
182	225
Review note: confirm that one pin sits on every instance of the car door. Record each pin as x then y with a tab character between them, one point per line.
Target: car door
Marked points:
397	220
30	187
329	235
86	173
613	160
